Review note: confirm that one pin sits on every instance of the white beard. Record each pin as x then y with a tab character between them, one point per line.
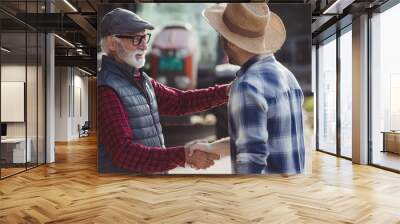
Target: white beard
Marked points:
130	57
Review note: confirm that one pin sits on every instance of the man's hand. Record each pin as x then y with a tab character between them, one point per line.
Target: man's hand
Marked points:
201	146
220	148
199	159
189	144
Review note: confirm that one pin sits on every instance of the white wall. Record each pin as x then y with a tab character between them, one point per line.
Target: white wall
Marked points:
33	126
13	73
79	111
62	81
16	73
71	94
12	101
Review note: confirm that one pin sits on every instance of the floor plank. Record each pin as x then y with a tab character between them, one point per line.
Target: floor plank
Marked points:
71	191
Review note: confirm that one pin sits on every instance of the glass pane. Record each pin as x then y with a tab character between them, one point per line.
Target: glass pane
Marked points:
327	97
13	87
32	87
386	89
41	99
31	100
346	94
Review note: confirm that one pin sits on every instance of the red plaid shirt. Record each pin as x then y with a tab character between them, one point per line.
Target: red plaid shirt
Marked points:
116	135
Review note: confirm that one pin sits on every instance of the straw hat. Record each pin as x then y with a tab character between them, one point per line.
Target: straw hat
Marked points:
250	26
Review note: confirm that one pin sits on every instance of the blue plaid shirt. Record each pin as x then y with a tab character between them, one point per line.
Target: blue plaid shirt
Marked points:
265	119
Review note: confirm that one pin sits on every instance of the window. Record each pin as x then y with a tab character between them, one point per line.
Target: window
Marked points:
346	94
22	86
385	89
327	96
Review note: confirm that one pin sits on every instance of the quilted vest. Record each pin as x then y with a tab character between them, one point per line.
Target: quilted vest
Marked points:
138	101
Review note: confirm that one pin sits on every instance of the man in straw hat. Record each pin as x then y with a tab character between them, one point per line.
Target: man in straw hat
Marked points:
130	137
265	104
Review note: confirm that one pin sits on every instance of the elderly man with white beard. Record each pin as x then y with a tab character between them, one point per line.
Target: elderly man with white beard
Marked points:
130	137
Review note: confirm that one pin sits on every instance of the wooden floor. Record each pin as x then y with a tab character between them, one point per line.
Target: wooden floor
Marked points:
71	191
10	171
387	159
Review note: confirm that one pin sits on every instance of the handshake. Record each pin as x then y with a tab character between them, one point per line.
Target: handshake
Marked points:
201	155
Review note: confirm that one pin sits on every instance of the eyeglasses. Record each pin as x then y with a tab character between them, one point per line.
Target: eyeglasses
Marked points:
137	39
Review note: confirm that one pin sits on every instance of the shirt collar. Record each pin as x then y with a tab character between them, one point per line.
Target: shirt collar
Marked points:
252	61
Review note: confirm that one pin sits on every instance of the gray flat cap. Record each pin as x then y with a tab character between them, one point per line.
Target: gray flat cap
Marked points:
122	21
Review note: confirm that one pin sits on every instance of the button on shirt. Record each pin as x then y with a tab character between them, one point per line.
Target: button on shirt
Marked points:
265	119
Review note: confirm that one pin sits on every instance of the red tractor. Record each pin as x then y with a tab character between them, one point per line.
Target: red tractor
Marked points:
173	57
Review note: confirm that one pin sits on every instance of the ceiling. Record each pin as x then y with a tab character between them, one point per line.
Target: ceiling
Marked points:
76	21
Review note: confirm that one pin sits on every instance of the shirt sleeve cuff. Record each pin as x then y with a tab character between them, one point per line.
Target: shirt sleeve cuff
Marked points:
221	93
249	168
178	155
